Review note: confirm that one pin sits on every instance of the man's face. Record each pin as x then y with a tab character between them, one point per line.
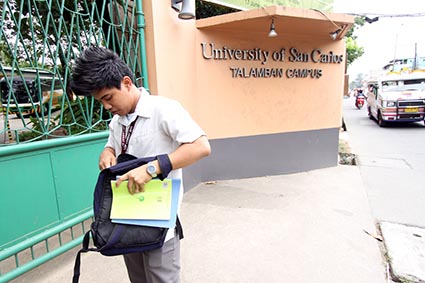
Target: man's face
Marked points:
117	101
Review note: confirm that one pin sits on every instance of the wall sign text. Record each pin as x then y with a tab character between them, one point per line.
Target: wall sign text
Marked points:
282	55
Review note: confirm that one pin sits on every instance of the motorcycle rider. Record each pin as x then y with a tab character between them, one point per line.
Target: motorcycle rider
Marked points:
359	92
360	98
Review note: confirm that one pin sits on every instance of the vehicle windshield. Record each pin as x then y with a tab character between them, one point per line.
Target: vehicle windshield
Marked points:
417	84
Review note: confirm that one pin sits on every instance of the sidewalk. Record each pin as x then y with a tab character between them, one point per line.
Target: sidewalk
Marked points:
304	227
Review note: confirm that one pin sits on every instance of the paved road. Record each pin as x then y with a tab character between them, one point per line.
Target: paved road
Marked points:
14	124
392	164
392	167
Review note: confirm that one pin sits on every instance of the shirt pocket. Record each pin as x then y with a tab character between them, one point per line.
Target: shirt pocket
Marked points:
142	143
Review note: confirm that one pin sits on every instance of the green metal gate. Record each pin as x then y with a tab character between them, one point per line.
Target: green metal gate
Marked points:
39	41
49	138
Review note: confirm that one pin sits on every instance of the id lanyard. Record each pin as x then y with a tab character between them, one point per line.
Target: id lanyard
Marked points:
125	136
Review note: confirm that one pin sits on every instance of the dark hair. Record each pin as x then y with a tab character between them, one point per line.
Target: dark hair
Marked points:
97	68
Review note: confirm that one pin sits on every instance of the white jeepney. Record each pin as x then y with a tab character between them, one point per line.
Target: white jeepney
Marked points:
397	97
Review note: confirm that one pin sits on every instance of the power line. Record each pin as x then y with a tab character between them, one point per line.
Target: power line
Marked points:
422	14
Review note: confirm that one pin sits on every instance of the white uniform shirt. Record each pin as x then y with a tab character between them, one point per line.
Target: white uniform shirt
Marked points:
163	125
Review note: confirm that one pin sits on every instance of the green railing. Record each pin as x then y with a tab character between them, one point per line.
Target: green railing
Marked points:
50	139
49	244
47	190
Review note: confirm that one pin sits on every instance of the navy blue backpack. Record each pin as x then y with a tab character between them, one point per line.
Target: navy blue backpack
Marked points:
112	239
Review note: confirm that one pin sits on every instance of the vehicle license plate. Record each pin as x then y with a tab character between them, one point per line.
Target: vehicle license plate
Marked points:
411	109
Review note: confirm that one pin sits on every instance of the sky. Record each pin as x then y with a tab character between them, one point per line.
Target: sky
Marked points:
391	36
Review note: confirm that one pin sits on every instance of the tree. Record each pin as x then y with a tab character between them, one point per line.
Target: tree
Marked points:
7	33
47	36
353	50
53	35
358	82
206	9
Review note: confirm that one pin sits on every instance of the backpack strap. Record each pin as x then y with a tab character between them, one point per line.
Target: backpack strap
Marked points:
125	166
179	228
113	239
84	249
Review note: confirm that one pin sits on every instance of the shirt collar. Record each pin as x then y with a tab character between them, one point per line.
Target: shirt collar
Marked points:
142	108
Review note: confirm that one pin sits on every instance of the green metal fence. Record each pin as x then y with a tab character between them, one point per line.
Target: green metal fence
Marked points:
46	199
39	41
50	139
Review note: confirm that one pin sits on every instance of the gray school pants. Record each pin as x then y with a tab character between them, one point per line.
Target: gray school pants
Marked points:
156	266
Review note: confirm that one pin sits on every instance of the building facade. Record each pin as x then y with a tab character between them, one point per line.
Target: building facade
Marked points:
270	105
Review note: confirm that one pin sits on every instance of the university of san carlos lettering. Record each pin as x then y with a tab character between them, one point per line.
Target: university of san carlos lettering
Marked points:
256	72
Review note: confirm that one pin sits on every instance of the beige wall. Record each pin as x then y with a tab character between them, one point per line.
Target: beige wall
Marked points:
170	44
252	106
236	107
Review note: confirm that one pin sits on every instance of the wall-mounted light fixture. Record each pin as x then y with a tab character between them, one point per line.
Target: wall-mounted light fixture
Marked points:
334	34
186	8
272	32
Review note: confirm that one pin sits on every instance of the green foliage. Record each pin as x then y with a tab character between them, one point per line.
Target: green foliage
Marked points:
353	50
206	9
80	116
358	23
47	36
358	82
38	128
6	57
41	18
83	116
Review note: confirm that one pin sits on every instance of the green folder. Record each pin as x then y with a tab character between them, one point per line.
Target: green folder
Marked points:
154	203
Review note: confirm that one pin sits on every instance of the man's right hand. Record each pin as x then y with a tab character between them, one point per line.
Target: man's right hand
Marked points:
107	158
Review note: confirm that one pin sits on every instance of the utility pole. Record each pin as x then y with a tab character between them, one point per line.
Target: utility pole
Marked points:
415	60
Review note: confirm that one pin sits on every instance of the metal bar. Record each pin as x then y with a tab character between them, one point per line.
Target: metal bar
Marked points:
141	28
16	260
44	235
83	228
72	233
21	148
40	260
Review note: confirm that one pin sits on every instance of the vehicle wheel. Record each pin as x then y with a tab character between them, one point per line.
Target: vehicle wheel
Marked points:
381	121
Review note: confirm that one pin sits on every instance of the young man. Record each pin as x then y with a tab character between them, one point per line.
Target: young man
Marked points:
143	126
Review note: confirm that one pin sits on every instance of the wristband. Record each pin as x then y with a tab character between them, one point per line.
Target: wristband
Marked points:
165	165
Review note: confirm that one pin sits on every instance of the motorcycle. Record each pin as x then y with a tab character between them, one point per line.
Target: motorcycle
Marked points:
359	100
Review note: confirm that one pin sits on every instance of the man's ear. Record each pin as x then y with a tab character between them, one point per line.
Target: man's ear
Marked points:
127	81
